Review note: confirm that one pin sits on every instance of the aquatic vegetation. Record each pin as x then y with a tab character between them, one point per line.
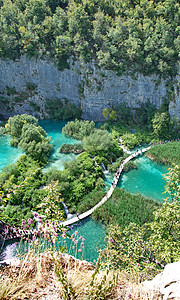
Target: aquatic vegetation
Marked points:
69	148
124	208
167	153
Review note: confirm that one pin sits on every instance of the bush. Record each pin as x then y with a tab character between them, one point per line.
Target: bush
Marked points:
101	143
71	148
130	140
78	129
2	131
26	134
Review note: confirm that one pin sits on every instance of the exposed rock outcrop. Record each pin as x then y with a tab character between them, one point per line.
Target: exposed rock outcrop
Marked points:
167	282
25	84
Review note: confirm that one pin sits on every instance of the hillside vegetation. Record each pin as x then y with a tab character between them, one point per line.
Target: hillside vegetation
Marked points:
166	153
117	34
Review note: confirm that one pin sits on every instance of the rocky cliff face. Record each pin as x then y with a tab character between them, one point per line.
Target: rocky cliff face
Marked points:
25	85
167	282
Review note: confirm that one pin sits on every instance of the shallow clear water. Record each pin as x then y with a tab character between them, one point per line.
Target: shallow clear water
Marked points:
147	179
92	231
94	234
8	154
54	129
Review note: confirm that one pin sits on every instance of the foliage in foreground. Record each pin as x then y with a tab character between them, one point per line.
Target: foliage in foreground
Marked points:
71	279
149	247
43	263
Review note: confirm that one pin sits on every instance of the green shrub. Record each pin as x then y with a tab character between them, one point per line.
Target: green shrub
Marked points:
71	148
79	129
130	140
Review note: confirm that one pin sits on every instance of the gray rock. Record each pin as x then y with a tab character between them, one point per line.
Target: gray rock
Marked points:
85	85
167	282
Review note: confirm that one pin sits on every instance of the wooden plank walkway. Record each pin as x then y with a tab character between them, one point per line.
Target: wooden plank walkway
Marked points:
109	193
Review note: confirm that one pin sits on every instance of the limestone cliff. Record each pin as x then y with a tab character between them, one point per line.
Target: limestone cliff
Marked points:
26	84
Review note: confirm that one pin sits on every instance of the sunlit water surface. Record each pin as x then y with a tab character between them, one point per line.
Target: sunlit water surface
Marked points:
146	179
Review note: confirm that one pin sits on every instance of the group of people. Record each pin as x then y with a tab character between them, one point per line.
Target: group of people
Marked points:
165	142
117	174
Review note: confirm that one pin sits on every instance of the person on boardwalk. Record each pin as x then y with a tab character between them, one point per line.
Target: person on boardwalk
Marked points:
77	215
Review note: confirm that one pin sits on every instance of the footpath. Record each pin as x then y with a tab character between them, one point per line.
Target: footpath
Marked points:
110	191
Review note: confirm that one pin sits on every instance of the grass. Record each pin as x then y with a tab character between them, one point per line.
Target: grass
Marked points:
123	208
165	153
36	278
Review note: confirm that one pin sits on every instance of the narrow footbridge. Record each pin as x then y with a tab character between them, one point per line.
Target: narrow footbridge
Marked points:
109	193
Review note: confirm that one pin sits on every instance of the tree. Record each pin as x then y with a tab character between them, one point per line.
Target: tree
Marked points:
105	112
78	129
15	124
36	11
110	114
130	140
172	186
51	206
29	136
99	142
165	237
162	126
35	143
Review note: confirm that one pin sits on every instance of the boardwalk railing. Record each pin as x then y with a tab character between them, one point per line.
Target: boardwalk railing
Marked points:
109	193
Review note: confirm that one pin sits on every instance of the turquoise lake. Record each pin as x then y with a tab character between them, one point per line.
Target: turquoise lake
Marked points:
8	155
146	179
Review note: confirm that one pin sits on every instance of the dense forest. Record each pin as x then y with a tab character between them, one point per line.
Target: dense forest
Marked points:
116	34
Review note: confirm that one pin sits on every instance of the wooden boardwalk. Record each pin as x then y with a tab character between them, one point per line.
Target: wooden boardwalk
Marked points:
109	193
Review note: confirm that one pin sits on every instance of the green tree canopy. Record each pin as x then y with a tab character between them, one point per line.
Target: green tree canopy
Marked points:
100	143
137	35
162	126
32	138
78	129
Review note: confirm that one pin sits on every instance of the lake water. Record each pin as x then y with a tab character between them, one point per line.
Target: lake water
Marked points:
92	231
8	155
147	179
